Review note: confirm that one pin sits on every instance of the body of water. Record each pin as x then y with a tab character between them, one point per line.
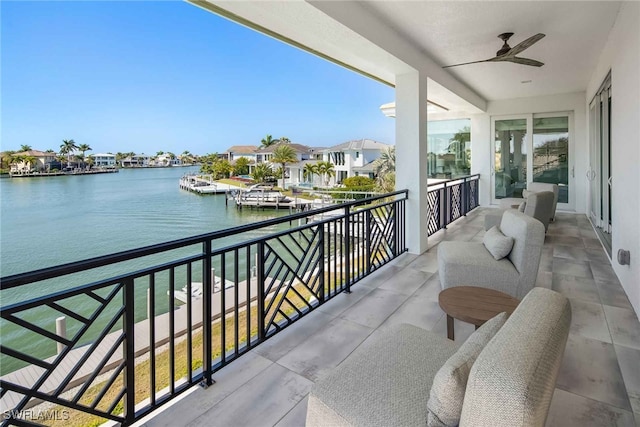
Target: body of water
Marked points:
55	220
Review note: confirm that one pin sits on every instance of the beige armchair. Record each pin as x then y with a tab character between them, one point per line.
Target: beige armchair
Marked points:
471	264
533	187
537	205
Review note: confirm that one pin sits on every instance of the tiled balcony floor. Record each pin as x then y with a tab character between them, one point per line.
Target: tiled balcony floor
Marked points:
598	385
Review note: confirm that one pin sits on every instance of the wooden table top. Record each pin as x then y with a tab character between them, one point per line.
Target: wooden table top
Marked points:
474	304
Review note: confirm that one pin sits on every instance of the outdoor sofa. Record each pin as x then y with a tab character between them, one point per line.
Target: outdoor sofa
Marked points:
503	375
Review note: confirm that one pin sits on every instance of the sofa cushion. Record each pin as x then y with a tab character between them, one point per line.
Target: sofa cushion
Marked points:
447	392
384	382
522	206
512	381
497	243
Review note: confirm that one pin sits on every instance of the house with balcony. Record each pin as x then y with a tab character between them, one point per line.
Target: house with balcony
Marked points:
137	161
247	151
305	298
354	158
104	160
33	161
293	171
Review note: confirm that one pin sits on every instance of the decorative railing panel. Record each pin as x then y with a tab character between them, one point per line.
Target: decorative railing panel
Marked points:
449	200
126	346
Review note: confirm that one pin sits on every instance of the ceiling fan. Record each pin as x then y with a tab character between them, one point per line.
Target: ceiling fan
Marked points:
507	53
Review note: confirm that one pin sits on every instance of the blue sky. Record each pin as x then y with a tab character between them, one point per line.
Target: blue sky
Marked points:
168	76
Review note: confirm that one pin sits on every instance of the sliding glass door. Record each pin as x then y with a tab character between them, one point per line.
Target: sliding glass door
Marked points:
532	148
599	173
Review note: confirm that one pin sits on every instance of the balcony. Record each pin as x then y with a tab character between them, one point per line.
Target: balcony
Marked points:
598	385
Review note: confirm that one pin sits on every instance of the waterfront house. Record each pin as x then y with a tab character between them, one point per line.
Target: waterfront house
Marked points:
33	161
136	161
293	171
584	97
249	152
103	160
165	160
354	158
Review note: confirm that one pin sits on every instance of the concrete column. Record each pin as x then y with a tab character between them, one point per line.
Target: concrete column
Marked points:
411	155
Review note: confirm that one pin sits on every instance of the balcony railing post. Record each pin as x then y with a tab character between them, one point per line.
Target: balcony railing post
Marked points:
395	215
129	351
464	196
322	261
367	240
476	194
206	314
347	248
260	290
445	210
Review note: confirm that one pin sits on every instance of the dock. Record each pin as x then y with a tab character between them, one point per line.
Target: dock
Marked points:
205	184
60	173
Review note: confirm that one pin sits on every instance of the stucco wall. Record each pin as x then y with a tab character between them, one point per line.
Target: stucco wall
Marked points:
621	55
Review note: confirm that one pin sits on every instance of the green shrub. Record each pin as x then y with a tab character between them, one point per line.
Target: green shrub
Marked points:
355	183
358	181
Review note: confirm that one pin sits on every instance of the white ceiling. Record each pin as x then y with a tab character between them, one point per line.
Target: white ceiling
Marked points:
452	32
386	38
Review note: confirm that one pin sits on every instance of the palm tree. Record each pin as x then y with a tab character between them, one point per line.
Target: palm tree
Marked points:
15	158
241	166
28	160
326	170
284	140
267	141
309	171
261	172
90	161
84	148
5	159
385	169
60	158
25	147
67	147
282	155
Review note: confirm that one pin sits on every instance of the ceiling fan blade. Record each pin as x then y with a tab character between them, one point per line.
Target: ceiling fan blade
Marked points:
467	63
525	44
524	61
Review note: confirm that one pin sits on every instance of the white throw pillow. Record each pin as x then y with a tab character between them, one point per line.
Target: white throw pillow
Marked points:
497	243
444	407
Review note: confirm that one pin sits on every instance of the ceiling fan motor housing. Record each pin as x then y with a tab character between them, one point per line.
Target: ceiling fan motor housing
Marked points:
505	47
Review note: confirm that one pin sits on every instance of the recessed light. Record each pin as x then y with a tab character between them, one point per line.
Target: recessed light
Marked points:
525	81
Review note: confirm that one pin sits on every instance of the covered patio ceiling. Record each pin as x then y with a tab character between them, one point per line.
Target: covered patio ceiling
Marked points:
385	39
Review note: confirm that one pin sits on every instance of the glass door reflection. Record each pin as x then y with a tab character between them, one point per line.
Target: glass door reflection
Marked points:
510	148
551	153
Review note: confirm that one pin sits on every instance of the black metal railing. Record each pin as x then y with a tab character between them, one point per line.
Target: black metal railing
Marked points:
128	347
451	199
